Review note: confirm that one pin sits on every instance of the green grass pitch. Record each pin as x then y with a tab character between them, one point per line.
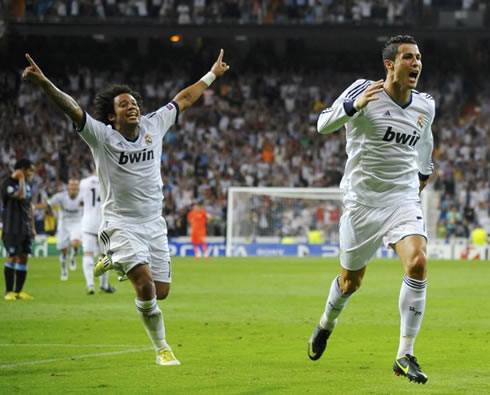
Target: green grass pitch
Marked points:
241	326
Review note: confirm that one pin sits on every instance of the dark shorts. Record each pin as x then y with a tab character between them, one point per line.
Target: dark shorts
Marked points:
17	244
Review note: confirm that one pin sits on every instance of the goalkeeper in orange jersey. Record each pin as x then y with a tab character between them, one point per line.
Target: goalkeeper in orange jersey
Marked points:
197	219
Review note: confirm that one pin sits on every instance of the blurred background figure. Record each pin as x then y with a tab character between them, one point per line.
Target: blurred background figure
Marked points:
197	219
91	221
18	227
69	224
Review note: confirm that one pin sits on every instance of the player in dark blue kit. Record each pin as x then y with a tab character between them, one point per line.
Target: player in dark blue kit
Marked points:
18	227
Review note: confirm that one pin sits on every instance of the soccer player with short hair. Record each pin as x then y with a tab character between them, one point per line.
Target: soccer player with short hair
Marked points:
69	232
389	148
127	148
18	229
91	221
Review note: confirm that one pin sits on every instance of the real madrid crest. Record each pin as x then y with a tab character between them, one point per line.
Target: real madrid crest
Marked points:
420	121
148	139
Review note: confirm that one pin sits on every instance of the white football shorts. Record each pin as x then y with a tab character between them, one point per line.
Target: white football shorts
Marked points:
362	229
135	244
67	233
90	243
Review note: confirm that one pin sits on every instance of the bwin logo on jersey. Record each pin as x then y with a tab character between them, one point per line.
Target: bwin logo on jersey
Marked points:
135	157
401	138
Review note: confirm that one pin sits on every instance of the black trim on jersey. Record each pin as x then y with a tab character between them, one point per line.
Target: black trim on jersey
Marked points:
135	139
408	103
423	177
84	121
354	92
178	111
402	106
349	108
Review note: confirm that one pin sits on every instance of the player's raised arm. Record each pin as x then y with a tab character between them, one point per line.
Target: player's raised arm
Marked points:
354	99
63	101
186	97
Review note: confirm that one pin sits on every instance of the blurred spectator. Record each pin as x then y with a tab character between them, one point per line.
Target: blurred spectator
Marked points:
358	12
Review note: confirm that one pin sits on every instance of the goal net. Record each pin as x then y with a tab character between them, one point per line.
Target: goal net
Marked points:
278	221
295	221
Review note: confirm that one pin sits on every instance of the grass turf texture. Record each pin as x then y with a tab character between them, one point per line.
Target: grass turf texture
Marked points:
241	326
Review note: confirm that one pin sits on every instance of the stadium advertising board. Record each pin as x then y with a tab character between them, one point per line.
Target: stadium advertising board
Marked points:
182	247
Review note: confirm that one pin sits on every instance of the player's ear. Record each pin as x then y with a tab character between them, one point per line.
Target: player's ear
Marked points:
111	117
389	64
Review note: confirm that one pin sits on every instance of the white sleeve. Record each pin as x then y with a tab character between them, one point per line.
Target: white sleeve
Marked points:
55	200
342	111
165	117
93	132
425	145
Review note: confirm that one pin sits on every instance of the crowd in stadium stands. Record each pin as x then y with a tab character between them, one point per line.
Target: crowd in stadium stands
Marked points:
379	12
249	130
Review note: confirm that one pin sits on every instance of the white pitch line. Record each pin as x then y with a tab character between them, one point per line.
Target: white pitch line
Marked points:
103	354
63	345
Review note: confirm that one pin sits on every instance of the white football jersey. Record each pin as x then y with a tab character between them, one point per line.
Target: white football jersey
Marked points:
92	211
129	171
387	145
70	209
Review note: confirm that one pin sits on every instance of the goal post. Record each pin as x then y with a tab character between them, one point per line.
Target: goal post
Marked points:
265	216
274	221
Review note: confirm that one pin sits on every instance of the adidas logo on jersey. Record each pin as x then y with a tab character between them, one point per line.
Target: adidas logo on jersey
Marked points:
387	114
135	157
401	138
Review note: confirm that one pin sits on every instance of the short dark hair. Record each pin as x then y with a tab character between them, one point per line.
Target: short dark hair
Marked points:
23	163
104	101
390	48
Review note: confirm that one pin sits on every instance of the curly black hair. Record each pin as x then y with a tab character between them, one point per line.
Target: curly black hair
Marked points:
104	101
23	163
390	48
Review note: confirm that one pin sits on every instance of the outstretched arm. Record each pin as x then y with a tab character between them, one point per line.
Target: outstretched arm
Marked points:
63	101
186	97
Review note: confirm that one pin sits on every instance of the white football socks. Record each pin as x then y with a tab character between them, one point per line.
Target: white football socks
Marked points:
335	305
73	253
152	318
88	270
104	280
63	262
412	307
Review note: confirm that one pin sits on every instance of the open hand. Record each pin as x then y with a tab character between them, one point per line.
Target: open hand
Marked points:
32	72
220	67
369	94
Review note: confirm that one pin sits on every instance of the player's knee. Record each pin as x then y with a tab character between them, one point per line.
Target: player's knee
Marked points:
349	286
162	294
22	259
417	266
162	290
145	290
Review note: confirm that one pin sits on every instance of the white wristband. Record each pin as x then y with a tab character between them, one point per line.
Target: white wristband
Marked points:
209	78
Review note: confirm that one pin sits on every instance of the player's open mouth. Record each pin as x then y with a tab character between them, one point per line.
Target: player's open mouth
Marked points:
413	75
